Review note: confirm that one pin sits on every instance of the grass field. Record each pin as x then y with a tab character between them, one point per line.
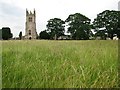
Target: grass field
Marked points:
59	64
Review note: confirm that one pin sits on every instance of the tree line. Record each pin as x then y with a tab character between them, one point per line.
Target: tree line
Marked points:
79	27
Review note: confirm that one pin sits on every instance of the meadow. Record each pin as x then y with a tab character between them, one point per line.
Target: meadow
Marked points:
59	64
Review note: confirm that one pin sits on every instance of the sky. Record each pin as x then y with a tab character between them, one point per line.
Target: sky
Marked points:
13	12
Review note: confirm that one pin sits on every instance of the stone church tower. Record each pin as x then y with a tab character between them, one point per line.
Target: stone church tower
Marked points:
119	6
30	28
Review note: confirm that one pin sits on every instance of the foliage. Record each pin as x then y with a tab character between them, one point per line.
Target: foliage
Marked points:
55	27
6	33
118	29
0	34
59	64
20	35
79	26
108	20
44	35
102	34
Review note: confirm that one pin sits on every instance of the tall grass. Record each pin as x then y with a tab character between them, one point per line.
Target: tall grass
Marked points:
59	64
0	65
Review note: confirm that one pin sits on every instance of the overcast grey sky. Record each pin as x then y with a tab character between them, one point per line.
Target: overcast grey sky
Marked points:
13	12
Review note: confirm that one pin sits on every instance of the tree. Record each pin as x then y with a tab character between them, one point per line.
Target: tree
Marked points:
108	20
118	29
44	35
6	33
0	34
20	35
101	34
79	26
55	27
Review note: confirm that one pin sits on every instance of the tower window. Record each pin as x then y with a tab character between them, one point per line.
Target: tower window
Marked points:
29	32
30	19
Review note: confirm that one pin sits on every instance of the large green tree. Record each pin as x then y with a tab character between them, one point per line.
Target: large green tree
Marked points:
108	20
44	35
6	33
78	26
0	34
55	27
118	29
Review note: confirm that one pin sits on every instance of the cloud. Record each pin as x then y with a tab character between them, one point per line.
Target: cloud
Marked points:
10	10
11	16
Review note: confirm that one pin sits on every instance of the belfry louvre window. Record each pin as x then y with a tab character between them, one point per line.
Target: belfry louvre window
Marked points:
30	19
29	32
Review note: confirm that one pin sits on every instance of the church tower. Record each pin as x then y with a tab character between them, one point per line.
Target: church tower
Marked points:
30	28
119	6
